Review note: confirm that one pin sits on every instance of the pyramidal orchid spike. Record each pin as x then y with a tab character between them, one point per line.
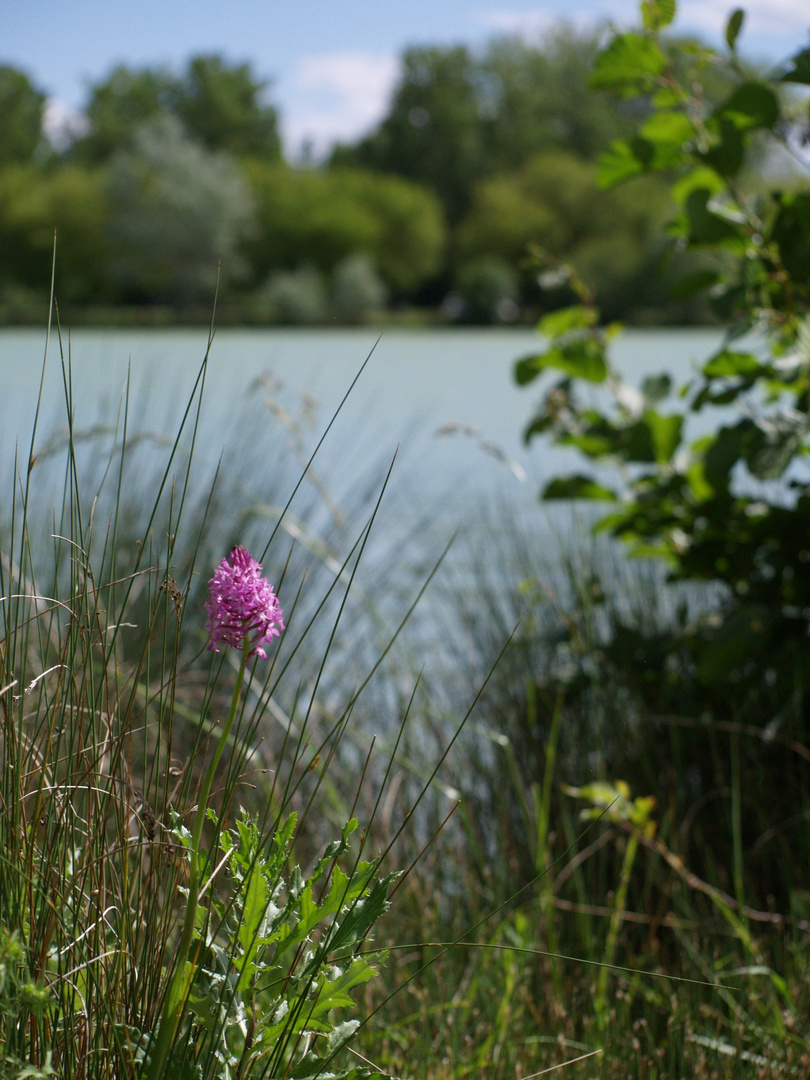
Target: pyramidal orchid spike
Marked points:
242	604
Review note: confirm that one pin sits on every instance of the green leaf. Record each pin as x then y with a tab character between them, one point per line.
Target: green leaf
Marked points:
665	432
726	301
616	164
791	231
723	453
727	154
254	908
577	317
690	284
745	632
577	487
340	1035
596	444
655	388
699	485
537	426
360	918
800	72
582	358
657	13
770	447
628	65
312	1067
734	26
728	363
699	179
752	105
706	227
636	443
334	993
659	145
668	127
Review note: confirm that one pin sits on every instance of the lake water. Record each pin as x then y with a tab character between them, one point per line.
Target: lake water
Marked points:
479	488
416	383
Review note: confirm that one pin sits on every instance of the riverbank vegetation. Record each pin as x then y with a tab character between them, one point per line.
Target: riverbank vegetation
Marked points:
593	770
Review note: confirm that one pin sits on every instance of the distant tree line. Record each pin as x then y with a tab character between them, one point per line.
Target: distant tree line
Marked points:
475	189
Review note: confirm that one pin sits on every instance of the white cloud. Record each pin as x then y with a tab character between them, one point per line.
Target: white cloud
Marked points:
62	124
772	27
771	17
525	24
336	96
535	24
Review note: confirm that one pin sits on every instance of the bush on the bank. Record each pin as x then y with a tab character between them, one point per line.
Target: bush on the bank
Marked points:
324	217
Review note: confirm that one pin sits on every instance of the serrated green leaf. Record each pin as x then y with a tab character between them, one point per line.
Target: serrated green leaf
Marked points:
362	915
340	1034
333	993
628	65
733	27
254	907
577	487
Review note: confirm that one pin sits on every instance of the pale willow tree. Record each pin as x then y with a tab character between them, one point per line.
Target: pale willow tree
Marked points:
178	212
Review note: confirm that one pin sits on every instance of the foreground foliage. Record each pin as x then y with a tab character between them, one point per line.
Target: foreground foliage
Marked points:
731	505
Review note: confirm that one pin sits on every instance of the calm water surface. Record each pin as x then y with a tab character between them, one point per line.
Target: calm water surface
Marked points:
415	384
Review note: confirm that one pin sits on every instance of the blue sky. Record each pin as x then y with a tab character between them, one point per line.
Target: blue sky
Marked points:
331	63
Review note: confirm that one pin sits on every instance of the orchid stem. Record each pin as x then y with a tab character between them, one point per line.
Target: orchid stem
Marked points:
184	971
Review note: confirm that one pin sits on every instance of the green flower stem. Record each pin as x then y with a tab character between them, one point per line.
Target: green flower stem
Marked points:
184	972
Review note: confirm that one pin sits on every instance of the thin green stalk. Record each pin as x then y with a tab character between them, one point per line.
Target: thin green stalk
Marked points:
183	974
543	856
616	916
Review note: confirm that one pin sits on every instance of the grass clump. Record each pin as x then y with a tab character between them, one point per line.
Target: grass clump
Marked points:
171	904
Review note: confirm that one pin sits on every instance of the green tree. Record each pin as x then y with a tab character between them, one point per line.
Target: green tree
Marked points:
121	103
539	99
321	218
69	201
221	105
457	118
21	111
177	211
554	203
432	133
